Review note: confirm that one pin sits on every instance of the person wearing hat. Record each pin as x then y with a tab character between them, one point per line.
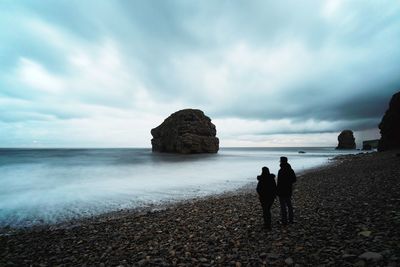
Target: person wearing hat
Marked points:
286	178
266	189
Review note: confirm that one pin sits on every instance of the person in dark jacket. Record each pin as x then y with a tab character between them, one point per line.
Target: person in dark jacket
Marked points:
266	189
286	178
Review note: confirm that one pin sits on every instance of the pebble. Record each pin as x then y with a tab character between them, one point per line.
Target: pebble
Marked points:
359	263
289	261
203	260
365	233
371	256
346	256
141	262
272	256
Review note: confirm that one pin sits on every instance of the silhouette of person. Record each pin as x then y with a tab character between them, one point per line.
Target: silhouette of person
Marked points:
266	189
286	178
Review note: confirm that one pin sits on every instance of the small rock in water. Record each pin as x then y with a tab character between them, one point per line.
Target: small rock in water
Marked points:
371	256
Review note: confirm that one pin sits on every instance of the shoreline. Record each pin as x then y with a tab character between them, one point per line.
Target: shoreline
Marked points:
132	186
343	210
151	208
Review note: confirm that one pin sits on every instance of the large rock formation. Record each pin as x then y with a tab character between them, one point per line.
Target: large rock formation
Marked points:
186	131
346	140
390	126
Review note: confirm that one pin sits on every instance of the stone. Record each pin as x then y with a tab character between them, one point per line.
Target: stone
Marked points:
142	262
271	255
347	256
371	256
203	260
263	255
390	126
346	140
289	261
187	131
359	263
365	233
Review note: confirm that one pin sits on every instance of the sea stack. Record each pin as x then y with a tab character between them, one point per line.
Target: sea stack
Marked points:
346	140
390	126
187	131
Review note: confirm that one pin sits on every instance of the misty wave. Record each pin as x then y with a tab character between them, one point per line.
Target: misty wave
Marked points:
41	186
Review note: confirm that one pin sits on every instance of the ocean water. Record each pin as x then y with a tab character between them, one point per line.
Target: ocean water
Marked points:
41	186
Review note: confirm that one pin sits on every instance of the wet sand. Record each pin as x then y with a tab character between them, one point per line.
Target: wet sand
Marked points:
347	213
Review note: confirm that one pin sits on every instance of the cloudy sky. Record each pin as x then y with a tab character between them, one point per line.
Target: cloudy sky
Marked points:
269	73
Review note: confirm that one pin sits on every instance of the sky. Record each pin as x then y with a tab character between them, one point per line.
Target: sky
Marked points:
268	73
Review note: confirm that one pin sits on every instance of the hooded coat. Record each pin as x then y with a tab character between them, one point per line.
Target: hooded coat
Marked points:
266	187
286	178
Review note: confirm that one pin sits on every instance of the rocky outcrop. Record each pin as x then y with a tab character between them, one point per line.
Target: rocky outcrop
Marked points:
346	140
186	131
370	144
390	126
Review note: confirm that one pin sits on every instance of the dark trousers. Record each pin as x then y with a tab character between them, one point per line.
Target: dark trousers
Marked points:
266	207
286	207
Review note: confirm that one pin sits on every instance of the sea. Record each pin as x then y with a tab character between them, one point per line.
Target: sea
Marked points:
48	186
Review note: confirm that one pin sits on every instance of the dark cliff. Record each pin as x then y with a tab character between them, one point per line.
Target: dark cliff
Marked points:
390	126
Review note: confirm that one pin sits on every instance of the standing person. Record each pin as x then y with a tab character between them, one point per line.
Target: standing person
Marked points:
286	178
266	189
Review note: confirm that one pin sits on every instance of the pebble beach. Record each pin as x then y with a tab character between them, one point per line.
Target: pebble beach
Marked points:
347	214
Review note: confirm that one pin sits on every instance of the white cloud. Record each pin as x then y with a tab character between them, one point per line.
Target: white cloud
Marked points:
331	7
32	74
95	73
221	78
